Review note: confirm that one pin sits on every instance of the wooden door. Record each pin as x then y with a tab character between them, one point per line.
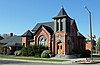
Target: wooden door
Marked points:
59	46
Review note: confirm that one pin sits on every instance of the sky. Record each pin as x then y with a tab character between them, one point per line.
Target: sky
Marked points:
18	16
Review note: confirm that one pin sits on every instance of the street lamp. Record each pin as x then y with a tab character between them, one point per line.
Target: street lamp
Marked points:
90	31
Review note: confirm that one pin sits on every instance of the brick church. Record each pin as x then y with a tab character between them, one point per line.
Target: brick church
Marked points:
60	35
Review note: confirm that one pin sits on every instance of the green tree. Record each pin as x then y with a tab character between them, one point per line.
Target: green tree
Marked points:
98	44
1	48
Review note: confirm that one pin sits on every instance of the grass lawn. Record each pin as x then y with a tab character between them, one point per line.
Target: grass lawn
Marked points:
97	58
31	58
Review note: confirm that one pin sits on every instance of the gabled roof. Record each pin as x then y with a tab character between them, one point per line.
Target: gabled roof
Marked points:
15	39
27	34
1	38
13	44
47	28
80	35
62	13
48	24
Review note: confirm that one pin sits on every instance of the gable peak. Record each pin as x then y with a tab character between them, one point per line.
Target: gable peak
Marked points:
27	33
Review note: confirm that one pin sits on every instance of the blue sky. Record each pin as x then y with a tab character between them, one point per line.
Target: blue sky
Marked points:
17	16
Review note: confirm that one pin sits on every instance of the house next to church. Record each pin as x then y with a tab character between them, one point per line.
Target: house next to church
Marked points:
60	35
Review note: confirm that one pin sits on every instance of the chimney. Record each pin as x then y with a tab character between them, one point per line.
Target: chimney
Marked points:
11	34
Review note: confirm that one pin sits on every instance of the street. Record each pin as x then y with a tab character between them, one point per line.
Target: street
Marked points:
11	62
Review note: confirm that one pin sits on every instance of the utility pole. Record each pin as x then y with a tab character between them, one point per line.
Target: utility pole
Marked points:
90	31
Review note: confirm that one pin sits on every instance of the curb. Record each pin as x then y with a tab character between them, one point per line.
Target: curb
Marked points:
66	62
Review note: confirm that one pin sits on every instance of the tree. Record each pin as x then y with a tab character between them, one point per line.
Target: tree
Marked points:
1	48
98	44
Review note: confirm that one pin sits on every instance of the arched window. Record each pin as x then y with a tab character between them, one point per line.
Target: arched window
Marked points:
42	40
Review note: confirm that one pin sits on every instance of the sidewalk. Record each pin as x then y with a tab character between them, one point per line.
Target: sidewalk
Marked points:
70	61
66	62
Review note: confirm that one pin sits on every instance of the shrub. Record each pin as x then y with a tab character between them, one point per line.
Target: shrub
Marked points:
4	52
24	51
39	49
17	53
86	53
83	53
34	50
78	51
30	51
94	51
45	54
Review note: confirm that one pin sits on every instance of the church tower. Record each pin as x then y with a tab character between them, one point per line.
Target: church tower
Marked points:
62	27
62	22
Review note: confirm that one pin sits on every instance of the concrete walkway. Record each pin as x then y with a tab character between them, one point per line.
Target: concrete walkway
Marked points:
71	60
65	62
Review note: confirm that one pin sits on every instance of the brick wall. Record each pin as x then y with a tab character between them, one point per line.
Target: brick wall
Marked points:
45	33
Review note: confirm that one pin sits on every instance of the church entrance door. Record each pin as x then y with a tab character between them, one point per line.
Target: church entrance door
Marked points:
59	48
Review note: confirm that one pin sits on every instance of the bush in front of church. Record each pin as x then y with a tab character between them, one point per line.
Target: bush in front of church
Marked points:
82	53
86	53
45	54
24	51
17	53
35	50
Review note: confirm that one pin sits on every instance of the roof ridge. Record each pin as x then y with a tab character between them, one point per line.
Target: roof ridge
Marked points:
27	33
44	22
49	24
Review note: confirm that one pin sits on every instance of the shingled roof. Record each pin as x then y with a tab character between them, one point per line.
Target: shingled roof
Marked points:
80	35
13	44
15	39
48	24
47	28
62	13
28	33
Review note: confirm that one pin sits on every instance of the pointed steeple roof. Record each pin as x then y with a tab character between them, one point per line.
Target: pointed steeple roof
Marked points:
27	34
62	13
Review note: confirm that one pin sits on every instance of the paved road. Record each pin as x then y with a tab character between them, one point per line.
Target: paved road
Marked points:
11	62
